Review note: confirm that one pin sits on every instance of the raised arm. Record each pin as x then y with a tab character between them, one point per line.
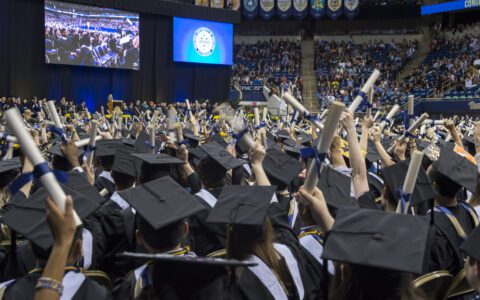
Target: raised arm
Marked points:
384	156
366	125
357	162
453	132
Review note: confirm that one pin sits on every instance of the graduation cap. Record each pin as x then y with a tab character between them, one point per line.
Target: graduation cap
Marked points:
29	218
107	147
157	159
57	151
124	162
471	246
219	140
372	153
379	239
142	143
304	138
244	207
187	274
280	166
457	165
394	178
193	139
162	202
336	188
10	165
9	168
196	155
221	156
283	134
128	142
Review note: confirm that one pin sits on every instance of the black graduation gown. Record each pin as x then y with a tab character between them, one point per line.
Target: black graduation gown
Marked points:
103	183
445	254
116	235
252	288
24	288
206	238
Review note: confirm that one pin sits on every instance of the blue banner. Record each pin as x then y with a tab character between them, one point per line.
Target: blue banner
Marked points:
300	8
334	9
317	8
284	8
249	92
267	9
250	8
449	6
351	8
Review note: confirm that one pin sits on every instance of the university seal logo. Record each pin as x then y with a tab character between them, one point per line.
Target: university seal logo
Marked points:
204	41
334	5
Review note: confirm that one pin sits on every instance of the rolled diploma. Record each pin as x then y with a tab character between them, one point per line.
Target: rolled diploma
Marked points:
84	142
422	129
256	116
102	110
411	177
434	122
54	114
31	151
366	87
190	115
152	138
92	141
410	130
377	114
324	143
324	113
238	127
300	108
8	138
370	101
179	130
172	116
411	102
154	118
265	113
390	115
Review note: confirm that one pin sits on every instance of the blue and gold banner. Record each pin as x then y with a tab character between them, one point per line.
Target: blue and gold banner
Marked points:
334	9
351	8
284	8
267	9
317	8
250	8
300	8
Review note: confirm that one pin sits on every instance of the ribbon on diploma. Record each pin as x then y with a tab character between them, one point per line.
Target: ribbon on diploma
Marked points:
238	136
89	148
403	198
38	171
312	152
261	125
58	131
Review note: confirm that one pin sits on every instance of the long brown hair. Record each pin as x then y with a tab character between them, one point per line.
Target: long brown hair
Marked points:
362	283
240	247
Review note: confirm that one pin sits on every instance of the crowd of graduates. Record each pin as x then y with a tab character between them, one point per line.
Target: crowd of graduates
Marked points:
209	201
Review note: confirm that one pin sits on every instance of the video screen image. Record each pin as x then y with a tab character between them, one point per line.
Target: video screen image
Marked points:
91	36
199	41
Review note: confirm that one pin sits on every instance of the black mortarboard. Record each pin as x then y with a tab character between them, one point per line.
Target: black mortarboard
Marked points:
162	202
188	134
29	218
142	143
289	143
283	134
55	150
219	140
304	138
336	188
128	142
187	274
394	177
221	156
124	162
245	207
158	159
458	165
379	239
10	164
196	155
107	147
471	246
280	166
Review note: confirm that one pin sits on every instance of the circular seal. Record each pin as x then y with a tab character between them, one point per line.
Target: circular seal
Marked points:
204	41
